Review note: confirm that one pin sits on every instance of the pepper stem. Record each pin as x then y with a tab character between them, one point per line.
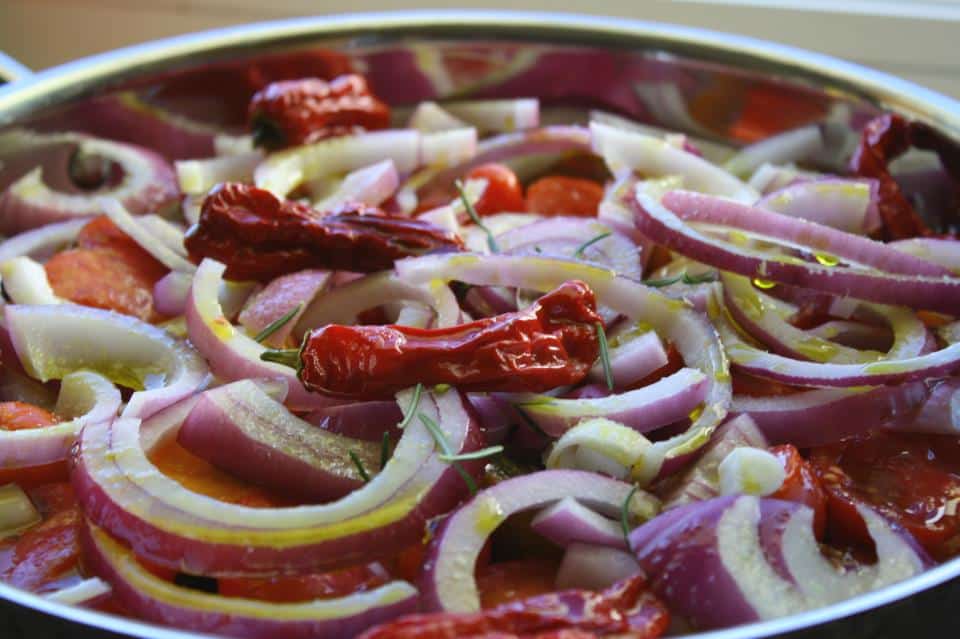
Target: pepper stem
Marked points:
286	356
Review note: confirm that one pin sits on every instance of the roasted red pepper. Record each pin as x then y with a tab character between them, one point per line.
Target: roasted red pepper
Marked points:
552	343
259	236
626	609
295	112
885	138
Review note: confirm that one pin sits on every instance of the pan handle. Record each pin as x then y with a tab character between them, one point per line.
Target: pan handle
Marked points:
12	70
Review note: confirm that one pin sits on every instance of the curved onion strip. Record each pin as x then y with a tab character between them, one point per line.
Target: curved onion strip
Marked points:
690	333
794	145
916	291
42	242
944	252
570	522
148	182
280	297
940	414
84	592
502	116
653	157
17	512
197	177
449	584
602	445
52	341
370	185
430	117
85	398
25	282
765	318
144	237
825	416
164	231
593	567
846	205
120	489
145	594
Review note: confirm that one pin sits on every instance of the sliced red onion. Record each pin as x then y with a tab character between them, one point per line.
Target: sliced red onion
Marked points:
197	177
946	253
656	158
52	341
855	335
190	206
239	428
41	243
448	148
769	178
167	233
668	400
283	171
120	489
732	560
148	183
594	567
360	420
716	153
277	299
171	292
429	117
631	360
448	580
25	282
603	446
568	522
701	481
85	398
765	318
154	599
940	414
500	116
86	592
950	333
846	205
415	316
370	185
933	292
17	512
688	331
142	236
820	417
795	145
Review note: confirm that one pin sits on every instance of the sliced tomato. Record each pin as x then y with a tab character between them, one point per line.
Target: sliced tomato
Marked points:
22	416
511	580
409	562
801	485
503	192
328	585
911	479
561	195
107	270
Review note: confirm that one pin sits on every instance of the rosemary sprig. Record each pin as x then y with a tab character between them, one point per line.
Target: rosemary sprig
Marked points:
447	451
703	278
529	421
472	212
417	392
591	242
384	449
477	454
359	465
605	355
278	323
625	514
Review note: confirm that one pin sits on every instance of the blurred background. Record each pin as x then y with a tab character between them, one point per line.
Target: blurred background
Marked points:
914	39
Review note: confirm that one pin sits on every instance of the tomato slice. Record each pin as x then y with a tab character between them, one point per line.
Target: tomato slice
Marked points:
508	581
503	192
561	195
912	479
328	585
22	416
801	485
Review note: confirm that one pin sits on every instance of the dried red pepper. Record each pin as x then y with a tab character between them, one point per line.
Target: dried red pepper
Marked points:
259	236
885	138
552	343
626	609
295	112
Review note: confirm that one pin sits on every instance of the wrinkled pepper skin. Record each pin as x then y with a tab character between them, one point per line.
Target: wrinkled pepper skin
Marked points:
552	343
296	112
260	236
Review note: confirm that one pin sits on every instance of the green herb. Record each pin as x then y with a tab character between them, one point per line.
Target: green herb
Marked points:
477	454
384	449
440	389
278	323
447	451
709	276
359	465
591	242
528	421
605	355
472	212
417	391
625	514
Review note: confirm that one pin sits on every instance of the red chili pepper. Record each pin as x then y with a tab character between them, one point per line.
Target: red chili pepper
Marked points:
259	236
295	112
885	138
552	343
626	609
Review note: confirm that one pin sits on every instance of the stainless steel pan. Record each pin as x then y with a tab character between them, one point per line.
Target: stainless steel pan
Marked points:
726	88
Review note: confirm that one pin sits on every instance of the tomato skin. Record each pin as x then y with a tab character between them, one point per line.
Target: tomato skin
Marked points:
508	581
801	485
328	585
911	479
23	416
560	195
746	384
503	192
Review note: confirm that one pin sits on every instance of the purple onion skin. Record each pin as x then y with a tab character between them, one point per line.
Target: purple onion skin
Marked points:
360	420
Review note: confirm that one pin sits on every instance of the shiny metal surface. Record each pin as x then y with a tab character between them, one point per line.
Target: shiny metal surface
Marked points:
725	88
